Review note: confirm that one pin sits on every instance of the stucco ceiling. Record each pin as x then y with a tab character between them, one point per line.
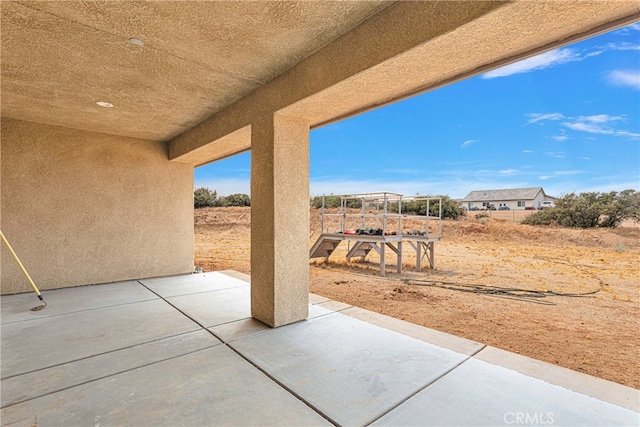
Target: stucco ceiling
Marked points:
59	58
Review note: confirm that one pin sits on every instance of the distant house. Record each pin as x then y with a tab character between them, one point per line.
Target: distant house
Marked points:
515	198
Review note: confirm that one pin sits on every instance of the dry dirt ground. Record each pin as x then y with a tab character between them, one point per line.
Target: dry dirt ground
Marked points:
597	334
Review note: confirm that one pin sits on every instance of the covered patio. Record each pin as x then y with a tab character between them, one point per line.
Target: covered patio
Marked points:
107	107
184	350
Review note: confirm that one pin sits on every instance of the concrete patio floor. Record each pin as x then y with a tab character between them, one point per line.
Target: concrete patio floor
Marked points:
185	351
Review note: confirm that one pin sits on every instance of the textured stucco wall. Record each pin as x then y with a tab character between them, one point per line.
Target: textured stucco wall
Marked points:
280	220
81	208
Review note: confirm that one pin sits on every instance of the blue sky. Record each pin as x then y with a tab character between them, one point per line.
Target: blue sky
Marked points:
566	120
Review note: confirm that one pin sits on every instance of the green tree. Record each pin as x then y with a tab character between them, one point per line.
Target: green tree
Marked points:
204	197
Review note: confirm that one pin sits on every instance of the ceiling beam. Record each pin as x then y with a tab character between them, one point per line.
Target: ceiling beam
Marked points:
405	49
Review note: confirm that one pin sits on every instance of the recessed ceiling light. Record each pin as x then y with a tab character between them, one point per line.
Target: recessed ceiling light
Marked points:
136	41
104	104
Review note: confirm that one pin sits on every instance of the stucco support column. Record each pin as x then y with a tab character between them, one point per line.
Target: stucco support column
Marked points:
280	220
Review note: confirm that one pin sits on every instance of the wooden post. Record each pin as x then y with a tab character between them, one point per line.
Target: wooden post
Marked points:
382	267
431	251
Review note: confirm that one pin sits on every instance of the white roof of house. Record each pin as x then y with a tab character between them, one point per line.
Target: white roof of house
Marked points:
501	195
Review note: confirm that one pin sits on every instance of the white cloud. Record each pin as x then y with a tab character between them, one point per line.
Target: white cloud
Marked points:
624	78
558	174
629	134
599	124
585	158
622	46
527	151
600	118
565	173
594	53
587	127
468	142
562	56
538	62
556	154
508	172
536	117
603	124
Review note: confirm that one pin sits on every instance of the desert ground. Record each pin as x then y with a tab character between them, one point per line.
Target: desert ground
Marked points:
495	281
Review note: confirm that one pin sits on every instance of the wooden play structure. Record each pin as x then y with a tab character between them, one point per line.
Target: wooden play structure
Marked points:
375	221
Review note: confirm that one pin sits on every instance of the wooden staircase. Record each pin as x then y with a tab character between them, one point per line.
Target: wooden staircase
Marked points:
324	246
360	249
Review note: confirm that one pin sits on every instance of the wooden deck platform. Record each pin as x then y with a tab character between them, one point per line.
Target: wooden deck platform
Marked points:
375	222
327	243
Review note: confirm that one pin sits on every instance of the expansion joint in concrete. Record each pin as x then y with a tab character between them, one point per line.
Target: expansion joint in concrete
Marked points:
101	377
444	374
281	384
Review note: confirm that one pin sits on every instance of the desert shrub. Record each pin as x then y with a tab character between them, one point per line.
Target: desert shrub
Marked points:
235	200
620	206
547	216
329	202
450	209
204	197
589	210
354	203
481	216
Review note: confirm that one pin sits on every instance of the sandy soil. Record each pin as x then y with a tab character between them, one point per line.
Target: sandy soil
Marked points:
597	334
